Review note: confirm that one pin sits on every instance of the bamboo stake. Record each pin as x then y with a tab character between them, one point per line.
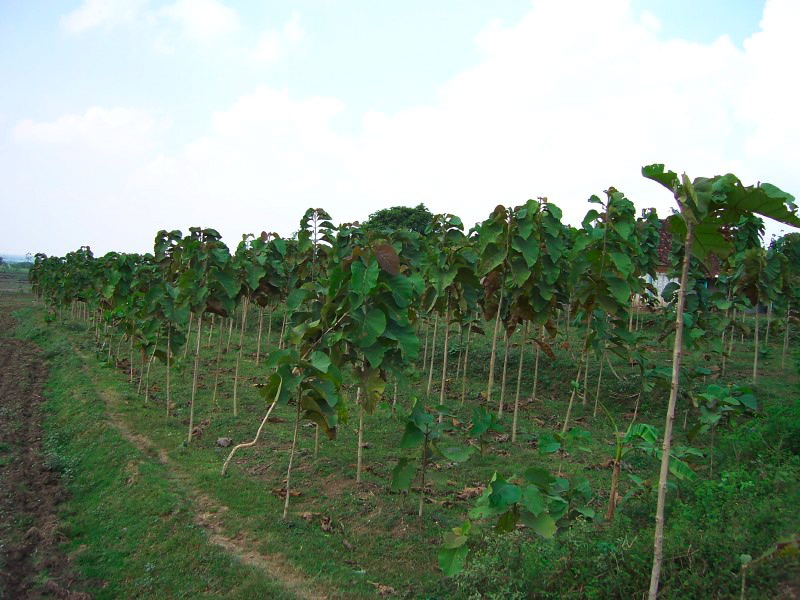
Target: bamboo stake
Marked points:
519	382
464	371
260	328
269	326
755	352
425	353
230	331
291	458
360	434
194	377
599	379
785	341
444	357
494	346
433	354
503	378
677	353
218	366
239	358
169	365
536	369
769	322
188	336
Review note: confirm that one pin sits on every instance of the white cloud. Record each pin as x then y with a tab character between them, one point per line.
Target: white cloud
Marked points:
557	106
203	19
273	44
114	130
96	13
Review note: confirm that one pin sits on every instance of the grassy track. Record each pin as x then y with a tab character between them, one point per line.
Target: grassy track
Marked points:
132	525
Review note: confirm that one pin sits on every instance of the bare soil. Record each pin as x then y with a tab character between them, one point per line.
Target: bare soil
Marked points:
32	564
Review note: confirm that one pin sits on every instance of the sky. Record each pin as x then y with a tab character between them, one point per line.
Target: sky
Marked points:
119	118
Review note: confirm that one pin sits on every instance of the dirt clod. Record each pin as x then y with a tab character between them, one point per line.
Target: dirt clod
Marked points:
30	488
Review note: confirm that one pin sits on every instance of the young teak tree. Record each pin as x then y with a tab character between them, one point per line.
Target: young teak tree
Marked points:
705	205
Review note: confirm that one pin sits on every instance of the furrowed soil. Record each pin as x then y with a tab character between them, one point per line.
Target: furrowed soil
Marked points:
31	562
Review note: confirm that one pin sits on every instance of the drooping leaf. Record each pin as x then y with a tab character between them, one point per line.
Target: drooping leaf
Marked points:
403	474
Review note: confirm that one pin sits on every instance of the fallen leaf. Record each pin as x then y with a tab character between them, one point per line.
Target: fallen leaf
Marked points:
325	525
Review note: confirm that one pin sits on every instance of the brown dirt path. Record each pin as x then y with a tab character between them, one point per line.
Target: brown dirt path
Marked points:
32	565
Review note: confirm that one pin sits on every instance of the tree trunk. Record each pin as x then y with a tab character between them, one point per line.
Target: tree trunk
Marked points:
260	329
733	332
169	365
785	341
211	330
141	371
493	356
587	357
194	377
425	353
755	350
630	316
149	363
536	369
503	378
269	327
599	380
433	354
460	352
677	353
572	398
230	331
612	496
188	336
464	371
519	382
291	458
239	359
586	379
424	470
722	345
769	322
283	328
218	366
444	357
360	434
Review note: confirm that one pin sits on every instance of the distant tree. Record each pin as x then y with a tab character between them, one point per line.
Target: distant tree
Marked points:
400	217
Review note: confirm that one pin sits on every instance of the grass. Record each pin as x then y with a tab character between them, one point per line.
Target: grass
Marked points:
143	542
129	523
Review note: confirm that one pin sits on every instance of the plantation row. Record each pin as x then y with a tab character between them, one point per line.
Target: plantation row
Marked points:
359	306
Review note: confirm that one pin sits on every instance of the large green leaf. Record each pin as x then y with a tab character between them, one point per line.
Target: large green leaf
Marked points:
542	524
623	263
456	454
529	248
619	288
412	437
504	494
403	475
320	361
451	560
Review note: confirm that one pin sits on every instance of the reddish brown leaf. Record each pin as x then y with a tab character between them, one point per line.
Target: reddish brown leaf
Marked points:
387	258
